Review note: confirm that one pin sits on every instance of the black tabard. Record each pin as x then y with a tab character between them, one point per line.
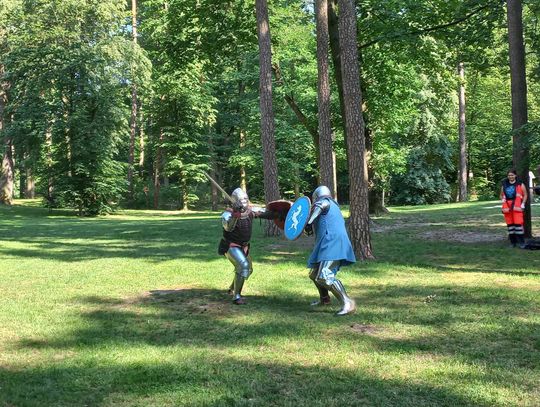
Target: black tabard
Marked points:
241	234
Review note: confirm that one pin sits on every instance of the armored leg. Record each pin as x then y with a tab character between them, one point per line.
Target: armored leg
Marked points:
348	305
243	269
326	278
324	296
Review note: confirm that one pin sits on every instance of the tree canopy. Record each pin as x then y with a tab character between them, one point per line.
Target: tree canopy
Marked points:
68	69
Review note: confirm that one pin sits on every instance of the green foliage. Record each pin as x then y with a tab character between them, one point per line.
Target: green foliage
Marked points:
71	66
429	158
488	130
69	86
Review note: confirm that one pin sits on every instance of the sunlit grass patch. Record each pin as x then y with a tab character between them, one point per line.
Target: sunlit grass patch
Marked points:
131	309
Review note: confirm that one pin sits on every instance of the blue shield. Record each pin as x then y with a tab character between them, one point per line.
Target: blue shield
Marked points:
297	218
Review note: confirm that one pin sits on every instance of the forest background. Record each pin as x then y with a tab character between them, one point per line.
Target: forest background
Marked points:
108	103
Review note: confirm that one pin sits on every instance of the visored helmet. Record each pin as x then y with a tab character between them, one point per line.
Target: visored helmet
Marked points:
240	198
321	191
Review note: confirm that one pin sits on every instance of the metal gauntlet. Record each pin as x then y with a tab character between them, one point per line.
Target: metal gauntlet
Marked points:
319	208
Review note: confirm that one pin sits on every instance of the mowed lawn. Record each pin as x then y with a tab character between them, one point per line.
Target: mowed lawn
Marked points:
131	310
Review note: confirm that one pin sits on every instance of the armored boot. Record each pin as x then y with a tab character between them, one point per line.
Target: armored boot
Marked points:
348	306
324	297
238	285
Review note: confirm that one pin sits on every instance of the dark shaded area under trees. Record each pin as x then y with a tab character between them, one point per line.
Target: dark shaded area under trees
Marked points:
123	104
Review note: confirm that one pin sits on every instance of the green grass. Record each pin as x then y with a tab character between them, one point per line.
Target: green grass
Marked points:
131	310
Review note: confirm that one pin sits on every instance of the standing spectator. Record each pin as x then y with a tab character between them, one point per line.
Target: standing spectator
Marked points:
514	197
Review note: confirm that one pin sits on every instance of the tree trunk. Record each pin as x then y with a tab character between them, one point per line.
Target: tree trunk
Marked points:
213	165
271	187
326	165
30	188
333	29
333	25
516	49
141	144
352	96
7	180
463	170
49	163
133	120
215	192
22	178
185	193
243	176
242	132
157	170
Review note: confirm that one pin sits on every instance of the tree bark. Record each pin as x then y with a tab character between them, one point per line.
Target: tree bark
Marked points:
333	29
49	163
352	96
133	119
271	187
7	180
326	167
185	192
157	170
243	175
213	165
463	170
333	25
141	144
516	49
30	189
242	132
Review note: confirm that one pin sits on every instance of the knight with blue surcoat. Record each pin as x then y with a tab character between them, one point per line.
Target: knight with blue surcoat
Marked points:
332	250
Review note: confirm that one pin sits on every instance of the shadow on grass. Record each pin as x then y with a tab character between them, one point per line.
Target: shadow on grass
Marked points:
202	327
193	236
479	325
137	236
204	381
72	240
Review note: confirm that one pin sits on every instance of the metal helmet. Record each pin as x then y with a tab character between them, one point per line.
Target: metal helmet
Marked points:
320	192
240	198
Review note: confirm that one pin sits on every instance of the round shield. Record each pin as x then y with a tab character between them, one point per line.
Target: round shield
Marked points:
297	218
281	206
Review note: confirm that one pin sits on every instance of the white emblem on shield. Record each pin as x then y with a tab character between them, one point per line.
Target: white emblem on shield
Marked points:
294	218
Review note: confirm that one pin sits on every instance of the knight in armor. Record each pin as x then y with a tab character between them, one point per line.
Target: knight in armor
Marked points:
332	250
237	226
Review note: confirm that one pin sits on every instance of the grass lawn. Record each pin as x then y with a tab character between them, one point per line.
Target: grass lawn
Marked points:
131	310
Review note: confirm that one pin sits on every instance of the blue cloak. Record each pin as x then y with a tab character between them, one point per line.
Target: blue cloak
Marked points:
332	241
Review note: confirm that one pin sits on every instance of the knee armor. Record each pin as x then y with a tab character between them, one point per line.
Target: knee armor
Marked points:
326	273
242	263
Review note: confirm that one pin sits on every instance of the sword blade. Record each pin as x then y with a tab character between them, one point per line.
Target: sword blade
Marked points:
225	194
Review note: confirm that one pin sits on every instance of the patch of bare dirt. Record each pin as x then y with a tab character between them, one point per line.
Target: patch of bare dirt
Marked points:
440	231
378	228
364	329
191	300
461	236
